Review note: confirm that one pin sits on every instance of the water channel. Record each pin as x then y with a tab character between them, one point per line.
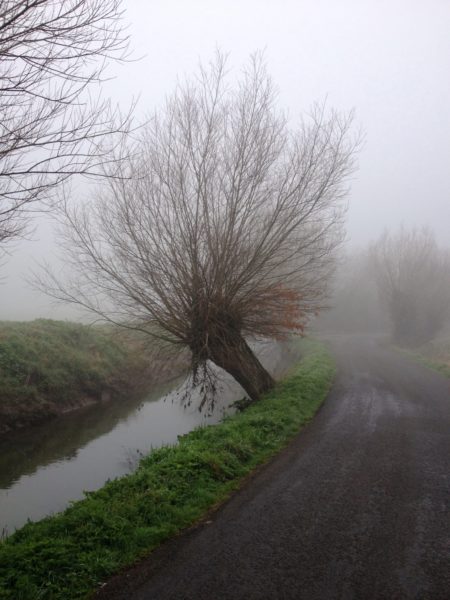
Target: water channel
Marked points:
44	468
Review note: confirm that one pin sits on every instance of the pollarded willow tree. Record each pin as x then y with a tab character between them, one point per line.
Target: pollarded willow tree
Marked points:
413	277
223	229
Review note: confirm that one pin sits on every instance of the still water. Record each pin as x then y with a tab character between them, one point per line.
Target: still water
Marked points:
45	467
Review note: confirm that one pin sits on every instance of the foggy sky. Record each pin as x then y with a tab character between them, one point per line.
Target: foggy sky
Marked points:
389	60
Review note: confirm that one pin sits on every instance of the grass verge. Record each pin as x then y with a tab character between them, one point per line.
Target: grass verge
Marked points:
435	365
434	355
68	555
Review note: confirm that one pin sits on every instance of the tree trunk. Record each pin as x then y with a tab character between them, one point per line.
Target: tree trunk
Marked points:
236	358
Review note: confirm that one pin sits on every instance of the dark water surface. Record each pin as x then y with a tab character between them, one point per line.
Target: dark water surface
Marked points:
45	467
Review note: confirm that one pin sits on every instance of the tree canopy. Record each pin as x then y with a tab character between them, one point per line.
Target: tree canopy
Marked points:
222	229
413	276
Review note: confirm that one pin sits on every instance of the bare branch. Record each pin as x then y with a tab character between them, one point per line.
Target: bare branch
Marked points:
53	123
224	227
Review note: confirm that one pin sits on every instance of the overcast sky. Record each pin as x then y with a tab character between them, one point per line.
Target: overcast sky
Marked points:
389	60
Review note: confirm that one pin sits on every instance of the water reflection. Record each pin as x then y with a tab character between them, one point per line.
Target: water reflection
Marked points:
22	452
43	468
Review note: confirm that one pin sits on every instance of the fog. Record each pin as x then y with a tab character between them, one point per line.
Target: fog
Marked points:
388	61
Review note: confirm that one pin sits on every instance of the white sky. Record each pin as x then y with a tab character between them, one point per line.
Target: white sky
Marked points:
390	60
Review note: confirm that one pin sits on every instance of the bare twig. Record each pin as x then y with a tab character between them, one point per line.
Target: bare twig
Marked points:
53	123
225	226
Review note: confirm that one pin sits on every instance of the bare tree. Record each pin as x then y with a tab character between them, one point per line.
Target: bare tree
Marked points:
413	276
52	55
223	229
354	305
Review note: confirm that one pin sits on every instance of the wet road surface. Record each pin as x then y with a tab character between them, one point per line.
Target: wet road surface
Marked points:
356	508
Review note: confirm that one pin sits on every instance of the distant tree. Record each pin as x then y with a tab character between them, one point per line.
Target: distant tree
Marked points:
223	229
413	276
354	305
52	125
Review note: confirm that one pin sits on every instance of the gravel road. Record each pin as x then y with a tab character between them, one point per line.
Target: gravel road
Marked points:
356	508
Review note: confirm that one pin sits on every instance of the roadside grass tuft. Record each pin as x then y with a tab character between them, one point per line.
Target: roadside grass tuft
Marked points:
435	355
442	368
67	556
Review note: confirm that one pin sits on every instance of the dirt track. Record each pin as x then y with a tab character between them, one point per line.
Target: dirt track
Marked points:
356	508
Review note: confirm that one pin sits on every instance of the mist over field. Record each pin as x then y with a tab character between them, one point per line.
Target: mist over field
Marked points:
388	61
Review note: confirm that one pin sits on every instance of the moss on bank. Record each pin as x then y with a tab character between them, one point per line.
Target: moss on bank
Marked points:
68	555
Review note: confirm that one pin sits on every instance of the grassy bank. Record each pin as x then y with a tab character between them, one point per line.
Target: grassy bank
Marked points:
434	355
67	556
440	367
49	367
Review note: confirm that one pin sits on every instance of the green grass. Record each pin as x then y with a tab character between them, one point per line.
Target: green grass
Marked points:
440	367
47	367
434	355
68	555
54	358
